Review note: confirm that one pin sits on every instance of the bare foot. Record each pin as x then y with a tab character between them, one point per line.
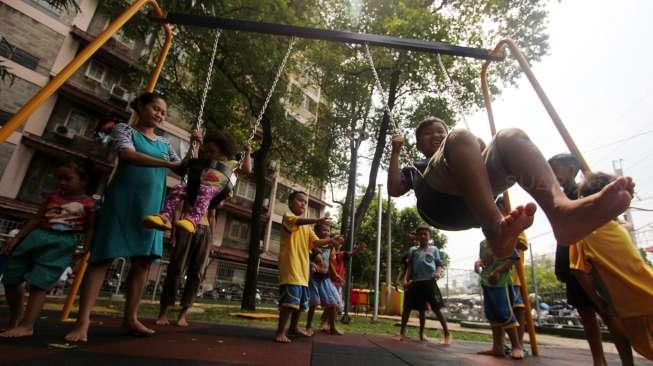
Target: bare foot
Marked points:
182	322
424	338
324	327
335	331
301	332
281	338
446	341
402	337
309	332
78	334
163	320
517	353
135	327
18	332
572	223
504	240
491	352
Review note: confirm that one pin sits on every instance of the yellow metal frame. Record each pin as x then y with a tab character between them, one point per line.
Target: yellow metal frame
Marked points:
525	67
33	104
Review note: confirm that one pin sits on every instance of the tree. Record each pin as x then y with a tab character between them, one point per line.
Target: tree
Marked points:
548	286
414	86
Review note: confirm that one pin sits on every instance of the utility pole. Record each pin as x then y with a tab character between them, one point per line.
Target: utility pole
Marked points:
617	166
375	315
388	275
534	280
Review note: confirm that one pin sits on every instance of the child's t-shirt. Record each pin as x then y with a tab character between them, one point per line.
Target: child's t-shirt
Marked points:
294	251
338	263
610	253
325	256
490	262
424	262
66	214
216	178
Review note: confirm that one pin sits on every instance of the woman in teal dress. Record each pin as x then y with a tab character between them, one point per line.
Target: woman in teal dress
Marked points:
136	190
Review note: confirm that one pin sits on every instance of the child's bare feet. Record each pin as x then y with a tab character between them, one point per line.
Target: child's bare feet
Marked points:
324	327
491	352
575	221
424	338
163	320
17	332
281	338
135	327
402	337
300	332
335	331
309	332
78	334
517	353
504	240
182	322
446	340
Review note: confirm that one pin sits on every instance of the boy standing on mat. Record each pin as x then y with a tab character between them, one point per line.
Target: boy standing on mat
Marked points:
297	240
424	268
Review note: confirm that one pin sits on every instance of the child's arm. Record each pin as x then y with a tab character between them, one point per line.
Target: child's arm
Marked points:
395	186
246	167
302	221
359	248
328	241
88	234
438	272
502	268
32	224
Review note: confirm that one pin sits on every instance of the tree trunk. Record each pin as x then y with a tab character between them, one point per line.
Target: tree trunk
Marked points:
378	152
256	226
351	189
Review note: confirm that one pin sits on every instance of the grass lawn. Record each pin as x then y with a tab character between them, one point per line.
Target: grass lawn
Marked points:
220	314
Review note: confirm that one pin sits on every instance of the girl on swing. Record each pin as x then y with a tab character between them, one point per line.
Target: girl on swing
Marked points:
210	179
458	180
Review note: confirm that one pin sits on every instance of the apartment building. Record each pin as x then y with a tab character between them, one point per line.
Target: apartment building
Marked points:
36	42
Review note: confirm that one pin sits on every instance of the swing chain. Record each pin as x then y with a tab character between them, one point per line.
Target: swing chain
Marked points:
380	86
453	86
199	125
271	92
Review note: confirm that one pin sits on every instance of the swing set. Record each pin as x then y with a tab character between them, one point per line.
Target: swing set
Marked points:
221	24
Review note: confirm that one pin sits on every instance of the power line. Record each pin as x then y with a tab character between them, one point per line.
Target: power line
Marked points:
619	141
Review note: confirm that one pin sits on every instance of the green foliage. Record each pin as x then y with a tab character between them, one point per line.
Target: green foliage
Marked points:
644	255
548	285
403	222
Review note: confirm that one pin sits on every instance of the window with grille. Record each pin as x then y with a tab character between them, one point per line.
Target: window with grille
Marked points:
18	55
96	71
4	117
246	189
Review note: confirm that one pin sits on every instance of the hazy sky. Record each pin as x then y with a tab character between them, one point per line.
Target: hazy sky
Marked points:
598	76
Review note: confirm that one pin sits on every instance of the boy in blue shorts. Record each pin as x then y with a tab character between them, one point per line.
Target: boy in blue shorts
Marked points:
297	240
498	297
424	268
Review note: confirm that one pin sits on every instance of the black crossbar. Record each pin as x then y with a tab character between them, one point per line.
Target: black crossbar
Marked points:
328	35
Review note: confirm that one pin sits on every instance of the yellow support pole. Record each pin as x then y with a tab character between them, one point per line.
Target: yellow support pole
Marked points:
66	73
19	118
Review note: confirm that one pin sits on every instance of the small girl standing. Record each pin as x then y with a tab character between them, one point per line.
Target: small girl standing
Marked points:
44	247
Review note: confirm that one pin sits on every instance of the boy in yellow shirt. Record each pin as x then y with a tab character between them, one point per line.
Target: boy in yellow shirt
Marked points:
297	240
612	272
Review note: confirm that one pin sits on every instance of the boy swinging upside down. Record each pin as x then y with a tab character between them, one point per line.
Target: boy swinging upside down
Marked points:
457	182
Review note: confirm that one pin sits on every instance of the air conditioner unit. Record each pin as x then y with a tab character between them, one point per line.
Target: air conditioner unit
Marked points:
64	132
119	92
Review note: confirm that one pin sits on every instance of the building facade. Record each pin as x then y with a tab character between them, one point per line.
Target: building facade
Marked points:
36	42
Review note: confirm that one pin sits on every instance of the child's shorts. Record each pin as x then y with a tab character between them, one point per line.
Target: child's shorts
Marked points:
323	292
640	334
294	296
438	176
40	258
424	292
517	299
497	303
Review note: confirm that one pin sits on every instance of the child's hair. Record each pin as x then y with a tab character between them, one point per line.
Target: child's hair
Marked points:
317	226
294	194
224	141
423	227
594	183
427	122
83	171
145	99
565	159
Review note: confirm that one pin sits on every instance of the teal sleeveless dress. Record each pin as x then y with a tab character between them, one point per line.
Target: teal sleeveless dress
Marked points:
135	192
